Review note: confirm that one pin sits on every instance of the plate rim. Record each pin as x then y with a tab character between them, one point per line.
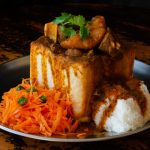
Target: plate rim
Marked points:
77	140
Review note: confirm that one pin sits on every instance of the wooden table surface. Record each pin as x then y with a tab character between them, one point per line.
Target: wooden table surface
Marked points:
21	25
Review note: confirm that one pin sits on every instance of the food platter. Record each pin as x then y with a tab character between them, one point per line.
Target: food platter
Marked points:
11	74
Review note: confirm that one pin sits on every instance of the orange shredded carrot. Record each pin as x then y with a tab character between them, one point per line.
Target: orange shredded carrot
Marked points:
34	115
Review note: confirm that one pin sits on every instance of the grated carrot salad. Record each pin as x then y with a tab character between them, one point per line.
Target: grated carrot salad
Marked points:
37	110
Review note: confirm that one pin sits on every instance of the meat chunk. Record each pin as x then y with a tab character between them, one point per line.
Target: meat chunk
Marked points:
109	44
97	29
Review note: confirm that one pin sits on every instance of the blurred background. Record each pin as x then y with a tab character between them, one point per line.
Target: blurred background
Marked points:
22	21
132	3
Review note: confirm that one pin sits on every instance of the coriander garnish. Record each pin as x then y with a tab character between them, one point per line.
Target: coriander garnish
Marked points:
68	32
63	18
69	23
84	32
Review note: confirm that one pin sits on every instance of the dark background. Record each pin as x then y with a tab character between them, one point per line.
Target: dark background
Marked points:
132	3
22	21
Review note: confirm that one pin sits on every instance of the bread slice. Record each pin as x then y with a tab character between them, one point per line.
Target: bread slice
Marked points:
54	67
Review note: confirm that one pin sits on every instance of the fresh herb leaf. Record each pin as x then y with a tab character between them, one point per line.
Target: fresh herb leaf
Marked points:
61	19
69	23
32	89
19	88
84	32
68	31
77	20
43	98
22	100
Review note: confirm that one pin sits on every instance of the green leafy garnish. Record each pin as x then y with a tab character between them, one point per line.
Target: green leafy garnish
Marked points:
77	20
22	100
43	98
84	32
61	19
32	89
69	24
19	88
68	32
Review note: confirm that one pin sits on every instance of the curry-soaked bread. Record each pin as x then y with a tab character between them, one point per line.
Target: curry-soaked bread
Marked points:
77	72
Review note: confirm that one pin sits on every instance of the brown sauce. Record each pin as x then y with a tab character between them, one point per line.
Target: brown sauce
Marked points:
133	86
33	68
107	113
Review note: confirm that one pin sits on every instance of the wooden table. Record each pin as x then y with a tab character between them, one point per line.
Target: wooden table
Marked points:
21	25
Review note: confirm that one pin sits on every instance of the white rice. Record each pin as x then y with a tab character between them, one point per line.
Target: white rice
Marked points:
146	93
126	115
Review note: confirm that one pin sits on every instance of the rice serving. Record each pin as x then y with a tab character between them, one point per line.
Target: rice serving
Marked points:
126	115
